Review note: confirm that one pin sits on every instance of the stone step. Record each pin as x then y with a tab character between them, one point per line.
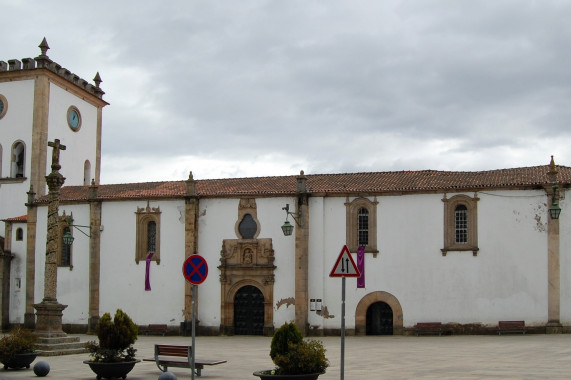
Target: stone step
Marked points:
58	340
60	352
57	346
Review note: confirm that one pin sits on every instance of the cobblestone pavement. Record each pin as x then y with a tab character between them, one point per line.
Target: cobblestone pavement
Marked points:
373	357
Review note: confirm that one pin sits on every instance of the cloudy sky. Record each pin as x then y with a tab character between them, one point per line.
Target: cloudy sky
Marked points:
260	88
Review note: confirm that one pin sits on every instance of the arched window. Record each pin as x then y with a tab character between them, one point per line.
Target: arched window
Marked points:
86	173
18	160
148	233
65	254
460	224
151	236
363	226
361	219
19	234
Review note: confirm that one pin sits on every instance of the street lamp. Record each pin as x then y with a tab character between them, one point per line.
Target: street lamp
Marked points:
287	227
555	210
68	237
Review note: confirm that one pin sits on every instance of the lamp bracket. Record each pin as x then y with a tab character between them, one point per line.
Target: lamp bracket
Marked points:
297	218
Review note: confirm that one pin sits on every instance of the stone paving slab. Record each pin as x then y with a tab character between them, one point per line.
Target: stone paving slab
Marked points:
526	357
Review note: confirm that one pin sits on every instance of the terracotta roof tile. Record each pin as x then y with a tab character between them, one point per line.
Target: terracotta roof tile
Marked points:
17	219
348	183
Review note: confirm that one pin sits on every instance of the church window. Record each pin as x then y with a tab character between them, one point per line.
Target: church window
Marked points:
148	221
363	226
3	106
151	236
460	224
19	234
248	227
18	160
65	254
361	221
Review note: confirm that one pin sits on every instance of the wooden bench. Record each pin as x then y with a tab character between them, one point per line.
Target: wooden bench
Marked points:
169	356
156	329
511	326
428	328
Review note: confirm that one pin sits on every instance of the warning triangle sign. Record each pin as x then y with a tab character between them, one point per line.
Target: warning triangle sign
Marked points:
345	266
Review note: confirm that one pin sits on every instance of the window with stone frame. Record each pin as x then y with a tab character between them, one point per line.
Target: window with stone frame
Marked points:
460	224
64	253
18	160
19	234
361	222
148	233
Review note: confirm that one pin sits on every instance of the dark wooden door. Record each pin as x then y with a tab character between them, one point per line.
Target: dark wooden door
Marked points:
379	319
249	311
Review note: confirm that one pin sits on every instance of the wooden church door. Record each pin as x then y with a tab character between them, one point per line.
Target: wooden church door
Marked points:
249	311
379	319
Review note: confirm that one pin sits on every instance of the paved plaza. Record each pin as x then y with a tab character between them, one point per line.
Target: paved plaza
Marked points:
371	357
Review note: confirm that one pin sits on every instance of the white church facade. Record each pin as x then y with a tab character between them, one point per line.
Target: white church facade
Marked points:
467	249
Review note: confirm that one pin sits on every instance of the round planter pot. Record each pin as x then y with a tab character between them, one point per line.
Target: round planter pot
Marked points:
21	361
264	375
117	370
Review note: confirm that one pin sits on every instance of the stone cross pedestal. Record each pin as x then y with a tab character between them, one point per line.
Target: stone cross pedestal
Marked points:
49	312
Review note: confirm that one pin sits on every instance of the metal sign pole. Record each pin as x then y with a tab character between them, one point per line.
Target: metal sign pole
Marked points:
193	328
343	328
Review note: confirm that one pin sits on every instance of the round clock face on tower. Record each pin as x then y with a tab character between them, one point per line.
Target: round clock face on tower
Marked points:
3	106
73	118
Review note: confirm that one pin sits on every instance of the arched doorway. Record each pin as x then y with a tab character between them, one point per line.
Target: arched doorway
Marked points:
379	319
249	311
378	297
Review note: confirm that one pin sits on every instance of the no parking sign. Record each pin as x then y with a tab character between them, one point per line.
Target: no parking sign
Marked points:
195	269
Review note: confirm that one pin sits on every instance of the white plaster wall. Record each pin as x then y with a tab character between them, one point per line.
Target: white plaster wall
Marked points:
272	217
565	257
16	125
80	145
18	276
508	278
122	281
72	282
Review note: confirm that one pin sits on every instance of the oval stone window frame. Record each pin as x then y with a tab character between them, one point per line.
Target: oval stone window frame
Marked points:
3	106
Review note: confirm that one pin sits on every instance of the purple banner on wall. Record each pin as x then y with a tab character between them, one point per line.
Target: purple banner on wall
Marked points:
147	278
361	266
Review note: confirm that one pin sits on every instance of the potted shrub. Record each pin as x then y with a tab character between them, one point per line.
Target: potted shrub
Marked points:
294	357
17	348
114	355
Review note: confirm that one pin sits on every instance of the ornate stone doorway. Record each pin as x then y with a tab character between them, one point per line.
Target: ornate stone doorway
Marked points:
247	277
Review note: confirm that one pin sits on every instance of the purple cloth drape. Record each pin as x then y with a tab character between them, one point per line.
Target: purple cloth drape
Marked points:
361	266
147	278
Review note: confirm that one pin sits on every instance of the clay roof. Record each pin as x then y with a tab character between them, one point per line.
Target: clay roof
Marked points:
17	219
329	184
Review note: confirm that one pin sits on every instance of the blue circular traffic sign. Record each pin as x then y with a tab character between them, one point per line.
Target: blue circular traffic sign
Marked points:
195	269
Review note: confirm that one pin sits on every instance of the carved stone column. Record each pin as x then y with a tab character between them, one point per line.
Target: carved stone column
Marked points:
49	312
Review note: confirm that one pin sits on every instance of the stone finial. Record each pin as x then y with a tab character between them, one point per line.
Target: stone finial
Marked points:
97	80
301	182
93	190
43	60
31	196
190	185
552	174
44	47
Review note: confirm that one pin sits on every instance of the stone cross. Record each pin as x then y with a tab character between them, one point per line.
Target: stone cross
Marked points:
55	154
